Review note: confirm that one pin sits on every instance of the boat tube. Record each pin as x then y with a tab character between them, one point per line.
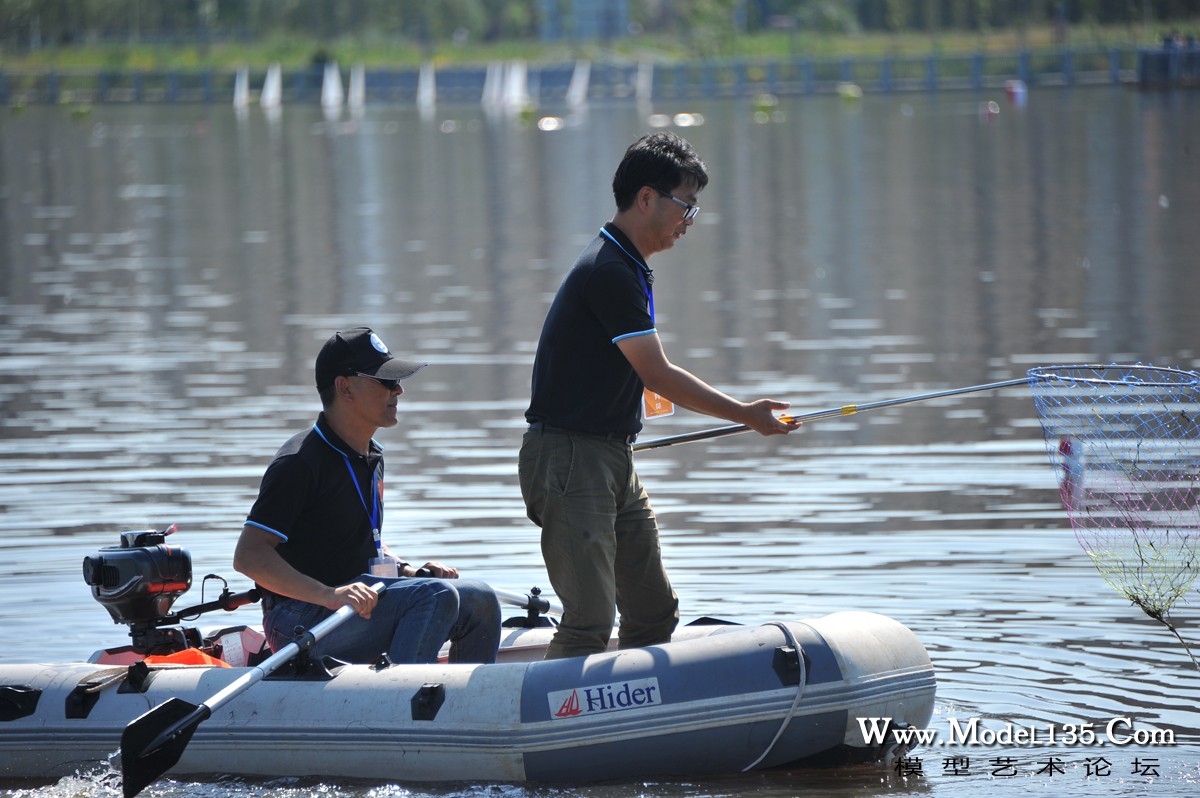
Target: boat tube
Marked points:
718	699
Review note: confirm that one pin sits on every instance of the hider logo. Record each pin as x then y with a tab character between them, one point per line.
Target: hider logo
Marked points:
612	697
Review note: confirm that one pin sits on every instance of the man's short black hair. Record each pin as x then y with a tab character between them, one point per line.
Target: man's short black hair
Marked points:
661	160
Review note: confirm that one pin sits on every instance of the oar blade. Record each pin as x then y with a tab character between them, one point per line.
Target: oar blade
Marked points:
153	743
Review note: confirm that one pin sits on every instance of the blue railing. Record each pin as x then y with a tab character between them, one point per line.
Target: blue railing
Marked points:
548	83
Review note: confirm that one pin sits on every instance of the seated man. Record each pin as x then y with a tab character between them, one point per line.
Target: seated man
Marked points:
314	529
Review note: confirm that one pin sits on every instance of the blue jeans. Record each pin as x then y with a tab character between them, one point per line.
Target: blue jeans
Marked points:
412	620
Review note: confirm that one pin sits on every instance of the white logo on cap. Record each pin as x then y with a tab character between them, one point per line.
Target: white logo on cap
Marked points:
379	345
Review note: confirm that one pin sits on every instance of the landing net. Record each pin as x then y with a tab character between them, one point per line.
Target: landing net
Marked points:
1125	445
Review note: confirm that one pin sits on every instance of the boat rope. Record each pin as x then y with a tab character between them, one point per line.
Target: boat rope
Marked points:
791	638
103	679
111	677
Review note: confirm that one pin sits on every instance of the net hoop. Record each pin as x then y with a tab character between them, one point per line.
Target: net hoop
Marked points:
1124	442
1137	376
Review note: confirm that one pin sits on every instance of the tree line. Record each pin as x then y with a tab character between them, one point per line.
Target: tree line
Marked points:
40	23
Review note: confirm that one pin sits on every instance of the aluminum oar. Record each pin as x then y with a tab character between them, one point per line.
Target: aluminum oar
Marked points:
844	410
531	601
152	743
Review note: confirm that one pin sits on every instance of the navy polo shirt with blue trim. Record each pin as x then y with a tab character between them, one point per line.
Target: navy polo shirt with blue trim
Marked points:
308	500
581	380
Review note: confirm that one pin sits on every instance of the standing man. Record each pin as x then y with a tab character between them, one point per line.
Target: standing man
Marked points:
599	357
315	527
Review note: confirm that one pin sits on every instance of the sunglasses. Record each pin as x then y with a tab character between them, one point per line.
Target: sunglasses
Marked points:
689	211
389	385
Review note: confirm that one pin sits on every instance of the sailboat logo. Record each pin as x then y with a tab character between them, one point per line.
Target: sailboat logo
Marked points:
612	697
570	707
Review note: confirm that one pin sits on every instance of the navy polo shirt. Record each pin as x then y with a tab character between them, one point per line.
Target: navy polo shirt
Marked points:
317	497
581	380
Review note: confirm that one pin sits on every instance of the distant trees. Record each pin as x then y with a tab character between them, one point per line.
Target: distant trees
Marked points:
925	15
64	21
34	23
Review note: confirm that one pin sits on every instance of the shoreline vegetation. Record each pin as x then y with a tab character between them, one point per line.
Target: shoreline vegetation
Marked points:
296	51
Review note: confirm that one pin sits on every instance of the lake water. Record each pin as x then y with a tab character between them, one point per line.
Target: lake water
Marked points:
167	275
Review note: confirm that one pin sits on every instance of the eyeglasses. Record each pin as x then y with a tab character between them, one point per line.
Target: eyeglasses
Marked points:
689	211
388	385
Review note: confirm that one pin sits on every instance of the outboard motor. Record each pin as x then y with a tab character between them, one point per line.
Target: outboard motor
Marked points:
139	581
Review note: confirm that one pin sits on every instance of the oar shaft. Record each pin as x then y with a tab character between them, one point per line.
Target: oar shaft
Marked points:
152	743
844	410
281	657
526	602
270	664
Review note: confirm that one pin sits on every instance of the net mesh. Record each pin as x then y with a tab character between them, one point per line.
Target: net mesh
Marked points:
1124	442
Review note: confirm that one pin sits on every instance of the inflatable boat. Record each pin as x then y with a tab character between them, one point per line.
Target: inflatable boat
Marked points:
719	698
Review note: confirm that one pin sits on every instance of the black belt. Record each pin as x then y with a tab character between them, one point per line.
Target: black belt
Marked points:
541	426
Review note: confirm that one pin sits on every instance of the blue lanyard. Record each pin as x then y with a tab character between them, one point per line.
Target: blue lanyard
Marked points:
645	270
374	509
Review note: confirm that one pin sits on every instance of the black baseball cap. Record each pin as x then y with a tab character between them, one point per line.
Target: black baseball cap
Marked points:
360	351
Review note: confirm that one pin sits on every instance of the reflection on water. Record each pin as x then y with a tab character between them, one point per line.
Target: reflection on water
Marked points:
168	274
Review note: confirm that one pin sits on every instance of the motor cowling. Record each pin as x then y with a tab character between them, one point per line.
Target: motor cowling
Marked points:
138	581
